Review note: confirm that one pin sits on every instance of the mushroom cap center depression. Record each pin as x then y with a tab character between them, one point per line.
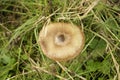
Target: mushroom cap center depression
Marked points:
61	39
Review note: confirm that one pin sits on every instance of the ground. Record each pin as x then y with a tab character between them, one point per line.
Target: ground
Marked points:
21	57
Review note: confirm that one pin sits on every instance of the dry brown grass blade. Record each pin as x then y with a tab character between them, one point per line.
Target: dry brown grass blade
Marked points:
42	69
67	72
90	8
115	64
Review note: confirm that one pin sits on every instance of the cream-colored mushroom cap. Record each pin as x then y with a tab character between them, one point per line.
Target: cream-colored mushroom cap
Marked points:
61	41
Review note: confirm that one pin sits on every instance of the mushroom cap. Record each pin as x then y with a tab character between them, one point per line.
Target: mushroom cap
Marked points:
61	41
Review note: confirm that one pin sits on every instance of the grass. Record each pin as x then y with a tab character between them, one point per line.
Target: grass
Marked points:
21	58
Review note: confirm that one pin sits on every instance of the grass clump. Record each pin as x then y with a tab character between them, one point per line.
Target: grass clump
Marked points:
22	59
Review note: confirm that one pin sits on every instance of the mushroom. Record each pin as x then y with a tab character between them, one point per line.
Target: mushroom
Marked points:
61	41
